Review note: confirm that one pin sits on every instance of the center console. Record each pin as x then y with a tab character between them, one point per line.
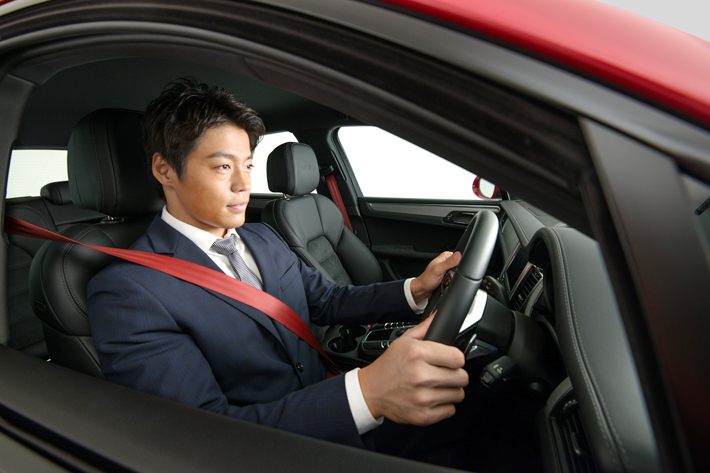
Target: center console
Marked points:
357	345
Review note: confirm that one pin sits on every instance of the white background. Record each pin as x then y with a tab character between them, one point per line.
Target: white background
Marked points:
690	16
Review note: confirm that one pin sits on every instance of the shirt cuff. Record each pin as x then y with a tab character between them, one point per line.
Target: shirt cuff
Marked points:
417	308
358	407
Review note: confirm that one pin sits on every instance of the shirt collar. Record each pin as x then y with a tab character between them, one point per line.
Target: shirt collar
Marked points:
199	237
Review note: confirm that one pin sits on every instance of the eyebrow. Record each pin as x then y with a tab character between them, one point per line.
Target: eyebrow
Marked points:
220	154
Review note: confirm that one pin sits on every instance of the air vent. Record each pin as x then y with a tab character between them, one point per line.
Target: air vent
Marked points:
573	441
531	278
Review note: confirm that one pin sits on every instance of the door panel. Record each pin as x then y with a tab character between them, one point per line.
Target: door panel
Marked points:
406	234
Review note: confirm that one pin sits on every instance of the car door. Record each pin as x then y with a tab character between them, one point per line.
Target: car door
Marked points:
412	205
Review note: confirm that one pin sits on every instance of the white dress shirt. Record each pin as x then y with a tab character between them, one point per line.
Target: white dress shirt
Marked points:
204	240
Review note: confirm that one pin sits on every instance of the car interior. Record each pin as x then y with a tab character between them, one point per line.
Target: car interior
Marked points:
114	206
542	325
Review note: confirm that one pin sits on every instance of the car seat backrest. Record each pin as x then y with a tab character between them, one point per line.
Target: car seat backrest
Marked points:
53	210
311	224
108	173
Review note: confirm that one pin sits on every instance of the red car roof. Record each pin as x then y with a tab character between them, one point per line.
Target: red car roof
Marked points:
641	55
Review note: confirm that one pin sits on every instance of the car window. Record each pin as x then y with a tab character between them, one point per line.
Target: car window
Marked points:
388	166
259	184
31	169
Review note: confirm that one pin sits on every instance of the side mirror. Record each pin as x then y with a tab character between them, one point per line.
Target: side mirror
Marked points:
484	189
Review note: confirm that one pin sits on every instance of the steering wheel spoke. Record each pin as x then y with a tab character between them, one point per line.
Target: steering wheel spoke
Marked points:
454	300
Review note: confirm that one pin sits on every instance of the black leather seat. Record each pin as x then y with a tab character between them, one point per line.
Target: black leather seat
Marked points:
311	224
108	173
53	210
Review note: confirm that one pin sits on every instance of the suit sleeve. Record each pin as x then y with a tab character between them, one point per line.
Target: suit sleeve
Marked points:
142	347
330	304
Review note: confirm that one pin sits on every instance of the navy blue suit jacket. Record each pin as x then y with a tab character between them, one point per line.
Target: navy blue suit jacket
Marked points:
183	342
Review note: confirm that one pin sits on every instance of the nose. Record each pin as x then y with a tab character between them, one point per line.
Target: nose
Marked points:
241	180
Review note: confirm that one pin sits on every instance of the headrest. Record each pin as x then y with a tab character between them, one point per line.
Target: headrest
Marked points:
292	168
57	193
107	167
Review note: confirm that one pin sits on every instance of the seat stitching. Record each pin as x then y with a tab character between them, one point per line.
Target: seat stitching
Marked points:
97	167
572	329
285	221
593	378
68	289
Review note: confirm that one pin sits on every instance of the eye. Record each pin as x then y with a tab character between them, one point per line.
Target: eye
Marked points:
249	167
224	167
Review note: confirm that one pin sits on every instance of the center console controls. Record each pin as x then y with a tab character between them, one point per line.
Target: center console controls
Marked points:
349	343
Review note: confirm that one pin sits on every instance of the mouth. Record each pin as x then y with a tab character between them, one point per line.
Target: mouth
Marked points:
238	207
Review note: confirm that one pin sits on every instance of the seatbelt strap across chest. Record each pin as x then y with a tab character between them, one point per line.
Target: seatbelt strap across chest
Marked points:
195	274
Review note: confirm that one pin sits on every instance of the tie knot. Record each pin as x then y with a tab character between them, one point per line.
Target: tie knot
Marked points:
225	246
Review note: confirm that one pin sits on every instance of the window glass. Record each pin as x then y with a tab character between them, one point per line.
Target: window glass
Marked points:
388	166
259	184
31	169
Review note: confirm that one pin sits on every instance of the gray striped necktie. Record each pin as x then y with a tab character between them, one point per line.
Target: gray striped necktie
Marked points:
227	247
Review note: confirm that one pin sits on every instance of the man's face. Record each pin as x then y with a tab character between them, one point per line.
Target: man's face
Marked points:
214	191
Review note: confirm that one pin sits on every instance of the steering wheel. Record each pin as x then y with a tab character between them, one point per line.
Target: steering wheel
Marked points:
456	297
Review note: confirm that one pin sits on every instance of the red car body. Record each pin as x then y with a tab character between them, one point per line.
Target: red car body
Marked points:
647	61
644	57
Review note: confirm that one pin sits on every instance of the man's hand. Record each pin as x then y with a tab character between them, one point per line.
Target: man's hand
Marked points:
423	285
414	381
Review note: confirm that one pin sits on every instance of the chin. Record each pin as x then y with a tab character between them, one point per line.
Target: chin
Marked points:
234	222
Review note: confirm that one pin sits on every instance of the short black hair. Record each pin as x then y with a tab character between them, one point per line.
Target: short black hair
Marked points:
174	122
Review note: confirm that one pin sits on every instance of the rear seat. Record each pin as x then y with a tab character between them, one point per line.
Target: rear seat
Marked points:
53	210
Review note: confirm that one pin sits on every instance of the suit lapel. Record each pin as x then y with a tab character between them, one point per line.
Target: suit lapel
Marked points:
264	256
168	241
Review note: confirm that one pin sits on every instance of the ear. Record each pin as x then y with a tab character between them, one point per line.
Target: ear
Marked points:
162	170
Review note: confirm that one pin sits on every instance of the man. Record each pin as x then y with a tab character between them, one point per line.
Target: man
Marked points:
183	342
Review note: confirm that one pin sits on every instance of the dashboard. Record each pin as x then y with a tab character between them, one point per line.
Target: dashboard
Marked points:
551	313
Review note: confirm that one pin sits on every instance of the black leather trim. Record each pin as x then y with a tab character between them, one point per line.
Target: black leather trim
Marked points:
60	272
57	193
108	169
292	168
523	221
302	220
596	351
77	353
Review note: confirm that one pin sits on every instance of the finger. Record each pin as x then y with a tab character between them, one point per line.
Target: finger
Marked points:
452	260
435	379
438	354
435	414
445	262
443	256
420	330
450	378
443	396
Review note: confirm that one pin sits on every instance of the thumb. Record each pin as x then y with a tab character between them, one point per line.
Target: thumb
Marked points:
452	261
420	330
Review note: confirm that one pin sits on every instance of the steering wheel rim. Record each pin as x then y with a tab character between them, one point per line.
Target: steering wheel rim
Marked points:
454	304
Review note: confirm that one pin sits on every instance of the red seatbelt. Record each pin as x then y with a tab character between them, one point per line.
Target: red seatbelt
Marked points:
337	199
195	274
